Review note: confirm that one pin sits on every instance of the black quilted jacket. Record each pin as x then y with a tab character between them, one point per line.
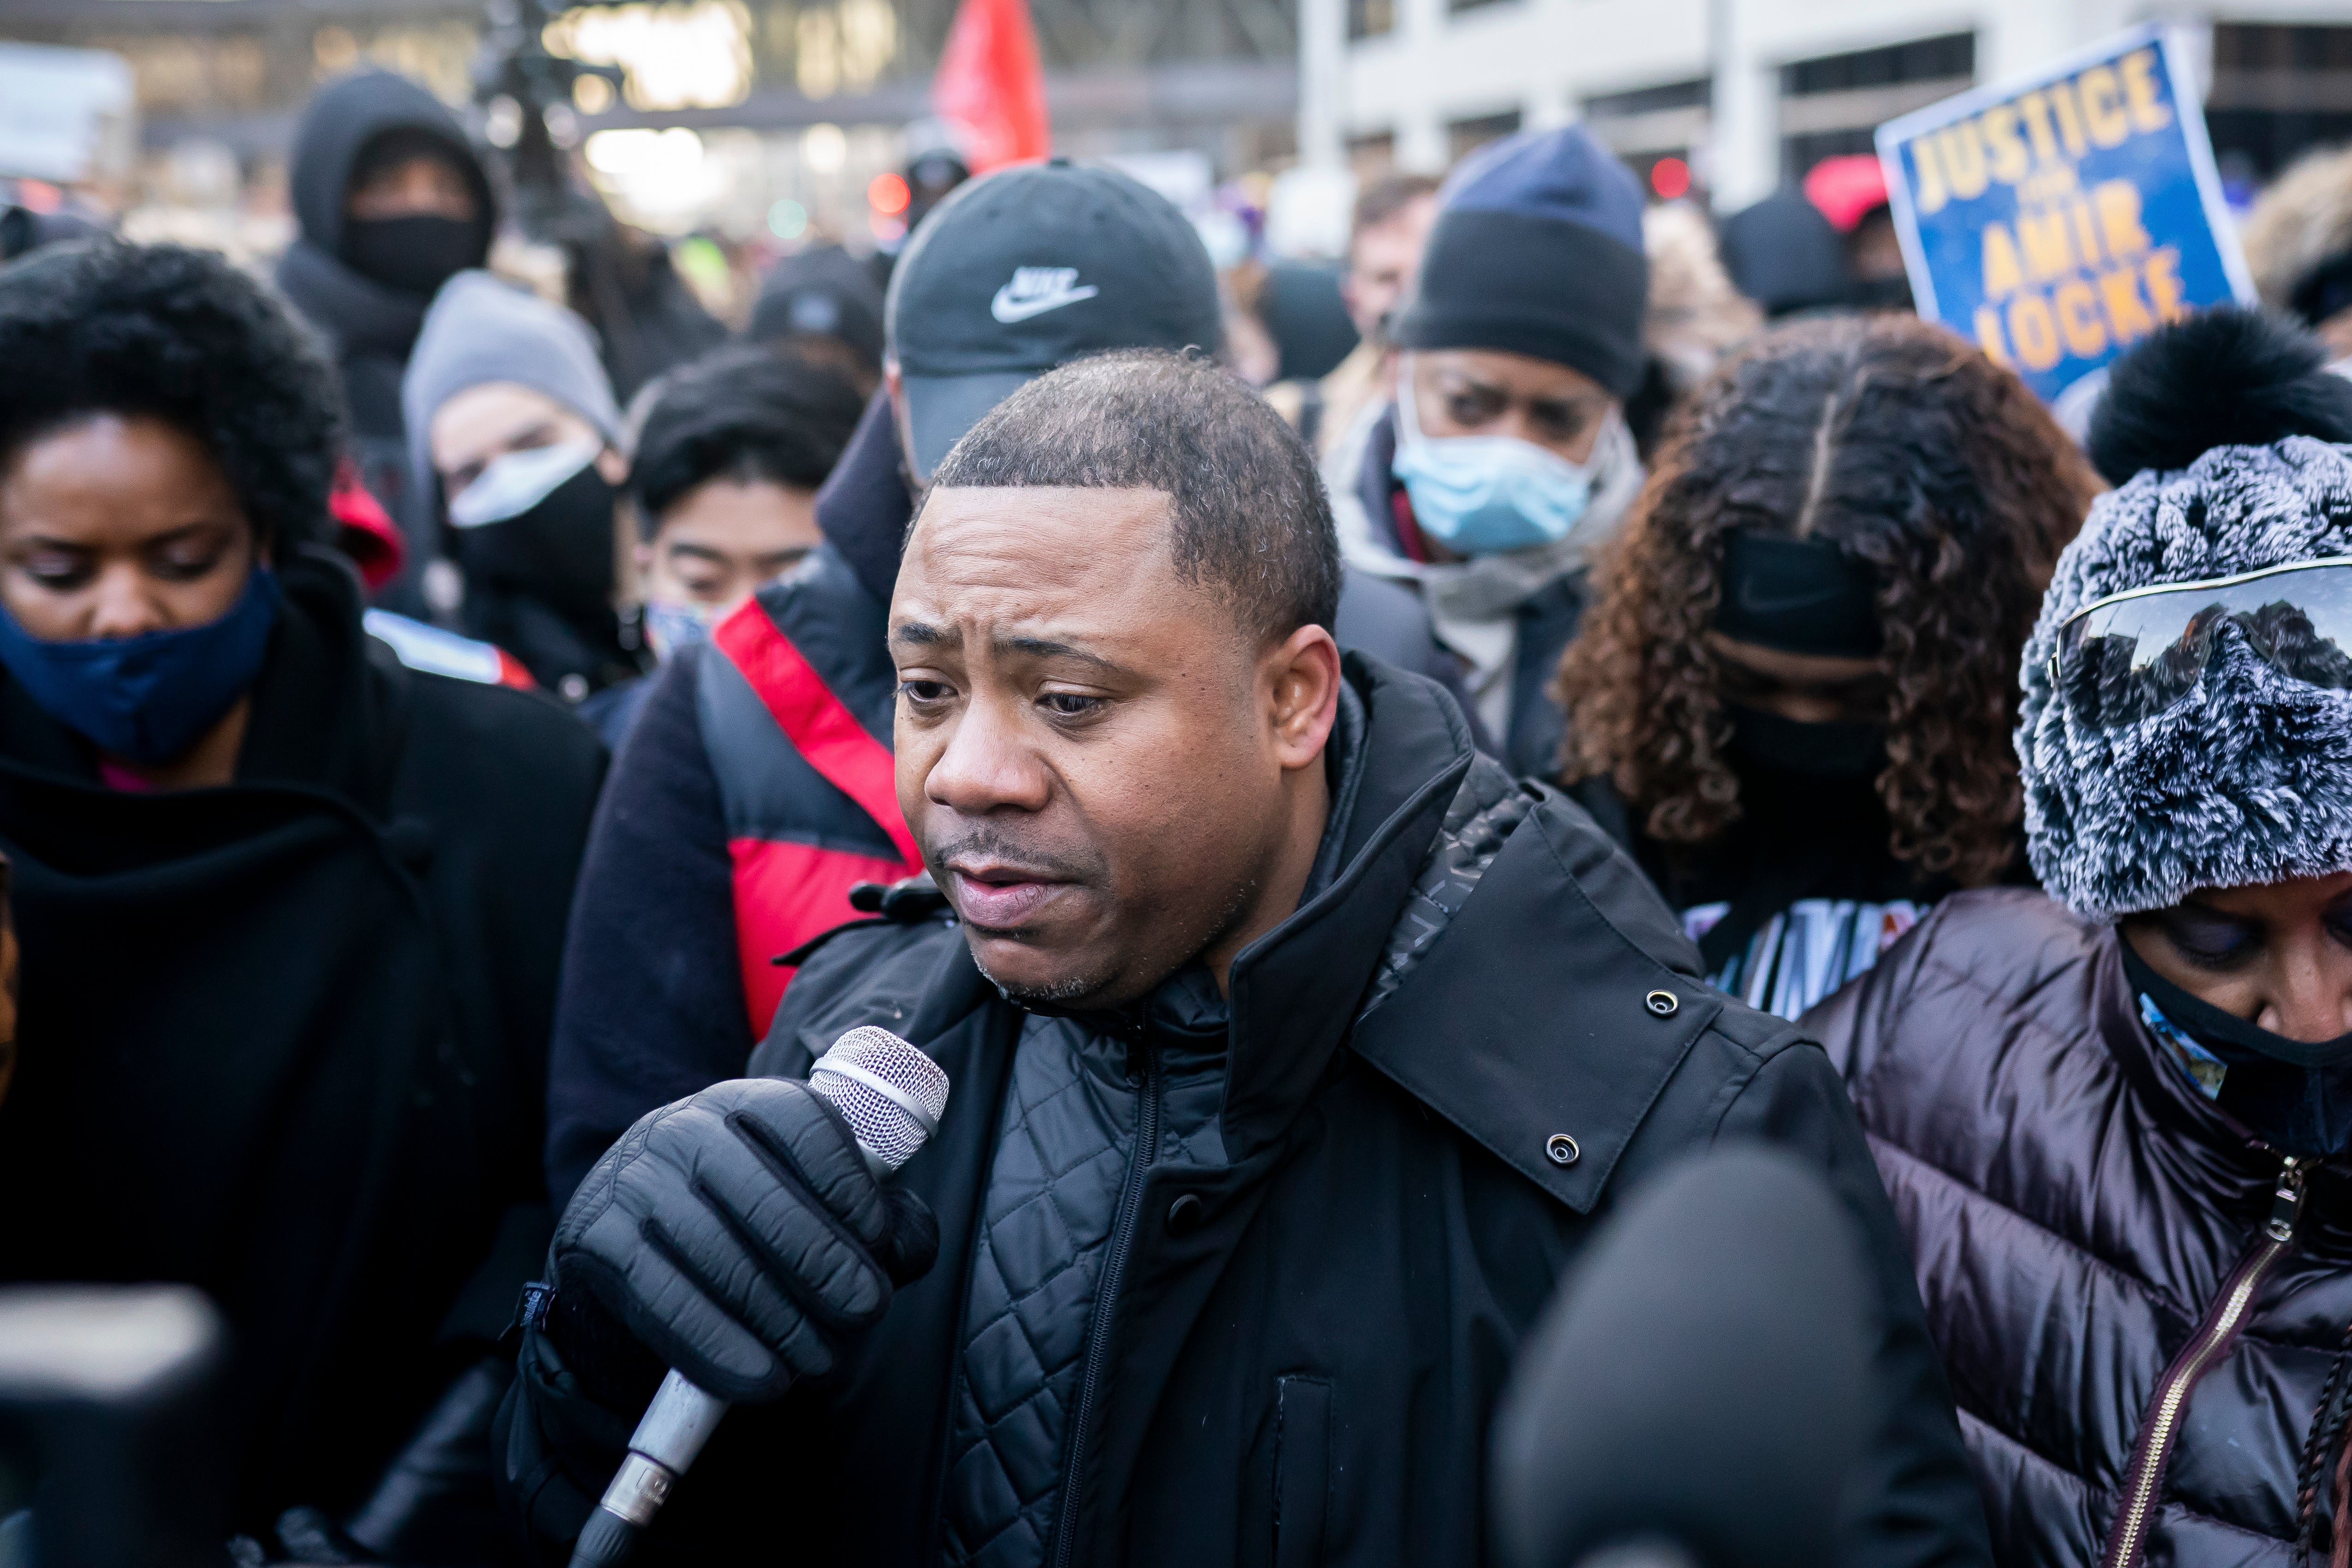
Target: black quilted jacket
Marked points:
2137	1355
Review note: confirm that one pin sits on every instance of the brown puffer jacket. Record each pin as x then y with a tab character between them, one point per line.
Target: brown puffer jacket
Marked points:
2138	1356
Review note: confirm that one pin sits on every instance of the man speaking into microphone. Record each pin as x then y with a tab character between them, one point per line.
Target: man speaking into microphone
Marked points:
1296	1050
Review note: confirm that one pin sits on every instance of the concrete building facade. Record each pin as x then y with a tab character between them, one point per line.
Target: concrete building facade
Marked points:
1749	93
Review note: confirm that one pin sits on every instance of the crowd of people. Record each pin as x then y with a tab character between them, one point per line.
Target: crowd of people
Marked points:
1654	694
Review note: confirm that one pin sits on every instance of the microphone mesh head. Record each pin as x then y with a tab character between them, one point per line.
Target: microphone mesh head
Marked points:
892	1094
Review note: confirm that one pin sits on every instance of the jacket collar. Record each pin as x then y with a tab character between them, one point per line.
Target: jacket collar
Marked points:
2216	1139
1295	991
841	632
1516	1052
323	712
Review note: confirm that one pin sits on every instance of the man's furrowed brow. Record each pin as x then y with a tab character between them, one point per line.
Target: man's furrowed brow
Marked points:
923	635
1046	648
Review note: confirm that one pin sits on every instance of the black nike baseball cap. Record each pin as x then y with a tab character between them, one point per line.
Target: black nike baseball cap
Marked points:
1028	268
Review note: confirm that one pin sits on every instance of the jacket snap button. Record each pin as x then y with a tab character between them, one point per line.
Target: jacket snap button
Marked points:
1662	1003
1561	1149
1187	1214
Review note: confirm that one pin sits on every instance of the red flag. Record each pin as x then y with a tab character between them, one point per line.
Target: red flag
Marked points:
990	87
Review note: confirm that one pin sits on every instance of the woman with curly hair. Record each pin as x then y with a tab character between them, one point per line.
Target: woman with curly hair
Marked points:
290	912
1794	699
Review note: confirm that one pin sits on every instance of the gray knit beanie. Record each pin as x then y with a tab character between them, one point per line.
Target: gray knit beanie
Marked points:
482	329
2247	777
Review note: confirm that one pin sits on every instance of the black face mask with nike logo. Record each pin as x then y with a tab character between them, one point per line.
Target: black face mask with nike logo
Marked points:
1800	596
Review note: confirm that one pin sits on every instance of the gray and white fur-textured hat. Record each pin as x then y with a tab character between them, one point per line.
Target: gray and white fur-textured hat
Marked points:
2223	434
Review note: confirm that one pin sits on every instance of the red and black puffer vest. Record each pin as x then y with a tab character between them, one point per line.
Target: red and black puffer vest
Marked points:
2143	1310
793	700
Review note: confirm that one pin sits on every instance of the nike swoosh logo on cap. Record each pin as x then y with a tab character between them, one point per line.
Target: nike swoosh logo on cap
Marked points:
1031	294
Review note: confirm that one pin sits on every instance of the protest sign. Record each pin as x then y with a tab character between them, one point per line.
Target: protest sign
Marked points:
2058	218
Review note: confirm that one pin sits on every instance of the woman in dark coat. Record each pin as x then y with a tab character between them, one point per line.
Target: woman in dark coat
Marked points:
290	913
2114	1120
1793	702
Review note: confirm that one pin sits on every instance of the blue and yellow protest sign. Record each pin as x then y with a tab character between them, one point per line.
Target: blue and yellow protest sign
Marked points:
2059	218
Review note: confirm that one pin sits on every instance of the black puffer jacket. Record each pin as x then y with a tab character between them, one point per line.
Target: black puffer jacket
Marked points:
2084	1223
1294	1340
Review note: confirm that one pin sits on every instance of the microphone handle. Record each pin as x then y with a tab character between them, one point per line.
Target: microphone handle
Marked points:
674	1426
671	1433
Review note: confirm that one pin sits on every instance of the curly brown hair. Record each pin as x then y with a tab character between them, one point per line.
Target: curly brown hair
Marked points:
1915	455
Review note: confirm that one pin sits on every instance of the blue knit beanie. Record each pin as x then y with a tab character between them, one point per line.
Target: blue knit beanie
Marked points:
1538	251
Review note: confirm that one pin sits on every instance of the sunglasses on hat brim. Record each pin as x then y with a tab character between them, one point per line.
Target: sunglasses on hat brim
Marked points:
2133	654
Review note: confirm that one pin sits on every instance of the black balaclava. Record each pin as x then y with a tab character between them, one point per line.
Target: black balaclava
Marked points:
363	120
1811	824
1801	596
415	252
372	323
2294	1095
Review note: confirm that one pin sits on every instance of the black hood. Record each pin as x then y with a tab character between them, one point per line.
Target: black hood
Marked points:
345	116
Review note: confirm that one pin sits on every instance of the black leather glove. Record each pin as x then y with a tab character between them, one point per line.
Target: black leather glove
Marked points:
738	1235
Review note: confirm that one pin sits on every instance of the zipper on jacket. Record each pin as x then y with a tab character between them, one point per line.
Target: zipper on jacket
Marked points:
1122	1240
2127	1541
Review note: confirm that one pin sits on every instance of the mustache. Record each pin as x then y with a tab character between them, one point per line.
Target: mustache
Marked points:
988	841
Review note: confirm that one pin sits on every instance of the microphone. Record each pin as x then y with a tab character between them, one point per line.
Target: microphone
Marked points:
1698	1391
892	1095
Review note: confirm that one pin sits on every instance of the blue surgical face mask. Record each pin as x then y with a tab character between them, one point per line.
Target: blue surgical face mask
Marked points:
1484	495
672	628
148	698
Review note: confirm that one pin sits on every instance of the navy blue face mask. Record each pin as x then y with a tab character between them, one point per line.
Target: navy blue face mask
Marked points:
151	697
